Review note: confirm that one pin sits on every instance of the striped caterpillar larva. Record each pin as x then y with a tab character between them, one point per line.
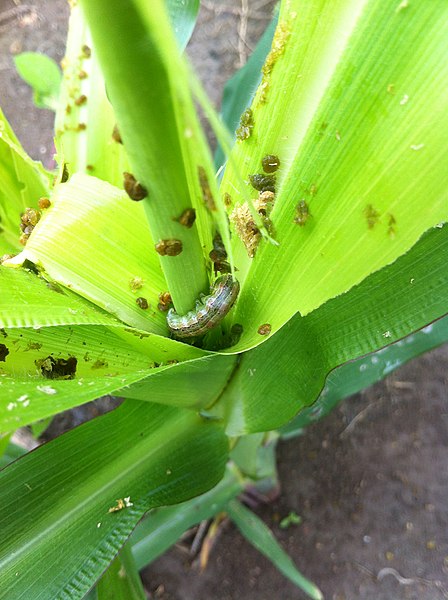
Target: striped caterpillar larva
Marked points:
209	312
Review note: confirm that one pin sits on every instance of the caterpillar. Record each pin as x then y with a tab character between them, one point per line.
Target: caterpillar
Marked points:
209	311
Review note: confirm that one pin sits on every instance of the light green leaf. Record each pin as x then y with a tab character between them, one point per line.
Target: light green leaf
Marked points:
148	88
353	102
261	537
22	182
29	301
357	375
95	241
84	118
43	74
58	537
121	581
39	326
255	457
389	304
241	87
164	526
36	381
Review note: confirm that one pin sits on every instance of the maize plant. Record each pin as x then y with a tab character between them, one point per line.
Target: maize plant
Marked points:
230	300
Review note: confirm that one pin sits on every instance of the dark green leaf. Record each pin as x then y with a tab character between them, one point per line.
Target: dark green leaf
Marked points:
357	375
121	581
262	538
389	304
164	526
58	534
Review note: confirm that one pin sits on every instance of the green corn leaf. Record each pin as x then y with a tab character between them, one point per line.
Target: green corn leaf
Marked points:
121	581
29	301
85	135
85	120
39	325
195	383
255	457
262	538
353	103
4	443
357	375
42	73
22	182
95	241
147	83
58	537
164	526
240	89
51	369
389	304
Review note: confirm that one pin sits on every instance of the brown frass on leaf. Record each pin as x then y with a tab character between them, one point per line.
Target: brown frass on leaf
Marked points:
244	130
99	364
270	163
262	182
80	100
246	228
282	33
133	188
218	256
65	174
86	51
207	195
116	135
302	213
44	203
28	220
187	218
372	216
142	303
4	351
227	199
169	247
165	301
57	368
136	283
391	226
265	203
265	329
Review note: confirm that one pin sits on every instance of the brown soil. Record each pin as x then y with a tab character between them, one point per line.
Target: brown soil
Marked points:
370	481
